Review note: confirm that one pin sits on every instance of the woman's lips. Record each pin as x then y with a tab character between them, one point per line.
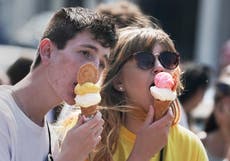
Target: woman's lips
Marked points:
153	84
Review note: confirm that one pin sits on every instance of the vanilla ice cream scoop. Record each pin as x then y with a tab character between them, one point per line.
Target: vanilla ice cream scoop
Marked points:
88	94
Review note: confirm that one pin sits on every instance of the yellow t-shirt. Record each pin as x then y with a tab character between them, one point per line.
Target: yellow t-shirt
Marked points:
182	145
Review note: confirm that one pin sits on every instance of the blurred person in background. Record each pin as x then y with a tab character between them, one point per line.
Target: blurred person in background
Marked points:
74	36
217	127
126	13
224	58
19	69
195	79
3	78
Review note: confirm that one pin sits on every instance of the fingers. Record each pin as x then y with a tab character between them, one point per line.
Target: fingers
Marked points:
98	115
98	131
88	132
84	136
96	121
149	118
94	136
98	139
95	128
91	123
166	121
91	128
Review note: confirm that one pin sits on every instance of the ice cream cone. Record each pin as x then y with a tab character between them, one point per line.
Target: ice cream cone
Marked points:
89	111
160	108
87	92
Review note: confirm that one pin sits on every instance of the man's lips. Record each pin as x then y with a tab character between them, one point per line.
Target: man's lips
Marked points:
74	84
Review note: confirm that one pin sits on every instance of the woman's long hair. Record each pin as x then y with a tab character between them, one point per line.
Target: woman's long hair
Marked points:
130	40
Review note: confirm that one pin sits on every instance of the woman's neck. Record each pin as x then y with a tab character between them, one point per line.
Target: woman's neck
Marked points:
133	123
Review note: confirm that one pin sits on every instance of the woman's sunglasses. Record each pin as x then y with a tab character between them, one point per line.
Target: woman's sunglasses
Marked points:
223	88
146	60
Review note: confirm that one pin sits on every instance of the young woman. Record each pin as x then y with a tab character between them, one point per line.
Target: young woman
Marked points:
130	132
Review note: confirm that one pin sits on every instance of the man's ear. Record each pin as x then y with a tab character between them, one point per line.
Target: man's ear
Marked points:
117	84
45	49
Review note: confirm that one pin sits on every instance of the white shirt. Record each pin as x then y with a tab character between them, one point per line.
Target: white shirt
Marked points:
20	138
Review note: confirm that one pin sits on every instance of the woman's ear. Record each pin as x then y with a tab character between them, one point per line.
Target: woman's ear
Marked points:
117	84
45	48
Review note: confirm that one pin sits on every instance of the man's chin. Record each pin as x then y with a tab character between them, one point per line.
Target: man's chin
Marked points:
70	102
73	103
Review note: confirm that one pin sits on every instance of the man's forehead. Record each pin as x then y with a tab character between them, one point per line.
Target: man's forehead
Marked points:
88	45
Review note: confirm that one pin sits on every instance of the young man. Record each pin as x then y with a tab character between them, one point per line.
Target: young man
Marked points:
73	37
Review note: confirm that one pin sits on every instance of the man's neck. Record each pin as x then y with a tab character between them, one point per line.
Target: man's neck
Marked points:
33	98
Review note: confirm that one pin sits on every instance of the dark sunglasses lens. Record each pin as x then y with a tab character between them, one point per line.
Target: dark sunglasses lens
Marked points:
169	60
145	60
223	88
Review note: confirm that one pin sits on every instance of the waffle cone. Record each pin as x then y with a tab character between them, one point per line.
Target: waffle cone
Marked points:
89	111
160	108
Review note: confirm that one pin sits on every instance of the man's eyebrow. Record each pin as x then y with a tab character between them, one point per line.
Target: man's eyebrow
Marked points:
90	46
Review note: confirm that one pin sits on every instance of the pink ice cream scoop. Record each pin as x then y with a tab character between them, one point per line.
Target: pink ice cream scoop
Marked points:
164	80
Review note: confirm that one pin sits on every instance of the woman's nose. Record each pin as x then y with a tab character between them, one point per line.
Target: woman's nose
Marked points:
158	67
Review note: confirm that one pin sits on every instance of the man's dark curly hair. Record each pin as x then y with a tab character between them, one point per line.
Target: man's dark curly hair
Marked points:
67	22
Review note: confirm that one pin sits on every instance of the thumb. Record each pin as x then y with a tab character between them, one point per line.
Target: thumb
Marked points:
149	118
